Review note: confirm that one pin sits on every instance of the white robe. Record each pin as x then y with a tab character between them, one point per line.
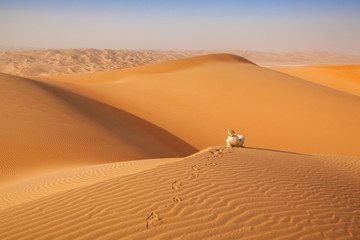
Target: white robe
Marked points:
235	140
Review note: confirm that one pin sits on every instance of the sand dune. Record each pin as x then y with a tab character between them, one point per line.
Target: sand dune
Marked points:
345	78
245	194
44	127
67	61
51	183
64	140
197	99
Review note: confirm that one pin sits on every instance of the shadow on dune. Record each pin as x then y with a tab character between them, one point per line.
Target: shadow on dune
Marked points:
127	128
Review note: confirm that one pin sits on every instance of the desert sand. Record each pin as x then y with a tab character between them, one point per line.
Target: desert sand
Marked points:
67	61
345	78
45	127
197	99
49	183
139	153
245	194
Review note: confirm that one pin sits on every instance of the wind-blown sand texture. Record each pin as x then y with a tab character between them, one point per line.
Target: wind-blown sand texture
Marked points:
50	183
66	142
197	99
66	61
342	77
245	194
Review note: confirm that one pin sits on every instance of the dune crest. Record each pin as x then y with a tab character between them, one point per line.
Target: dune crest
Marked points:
69	61
275	110
155	68
79	129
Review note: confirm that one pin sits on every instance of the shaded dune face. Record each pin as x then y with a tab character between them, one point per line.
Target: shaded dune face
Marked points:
215	92
45	126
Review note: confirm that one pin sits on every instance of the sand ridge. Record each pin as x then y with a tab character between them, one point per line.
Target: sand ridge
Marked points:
216	194
64	140
200	102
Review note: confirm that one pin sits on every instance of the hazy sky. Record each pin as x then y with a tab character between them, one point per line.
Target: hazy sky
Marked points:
260	25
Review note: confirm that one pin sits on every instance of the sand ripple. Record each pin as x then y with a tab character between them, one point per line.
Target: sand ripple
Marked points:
245	194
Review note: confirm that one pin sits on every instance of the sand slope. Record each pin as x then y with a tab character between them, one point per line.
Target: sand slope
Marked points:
245	194
45	127
199	98
50	183
64	138
345	78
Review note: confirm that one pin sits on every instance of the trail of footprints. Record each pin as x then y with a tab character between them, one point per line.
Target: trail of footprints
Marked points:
153	219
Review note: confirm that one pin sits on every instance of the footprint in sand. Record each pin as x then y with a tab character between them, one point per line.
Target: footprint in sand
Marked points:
209	158
216	152
194	175
176	185
196	167
212	164
222	152
227	151
177	200
153	220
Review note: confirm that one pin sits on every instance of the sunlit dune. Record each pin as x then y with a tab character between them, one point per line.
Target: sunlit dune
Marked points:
126	154
57	181
198	99
341	77
245	194
179	120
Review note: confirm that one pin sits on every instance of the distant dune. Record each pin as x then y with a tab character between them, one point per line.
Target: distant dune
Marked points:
67	61
197	99
246	194
341	77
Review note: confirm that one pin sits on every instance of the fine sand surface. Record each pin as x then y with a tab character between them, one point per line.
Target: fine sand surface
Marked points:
197	99
45	128
342	77
245	194
67	61
70	147
50	183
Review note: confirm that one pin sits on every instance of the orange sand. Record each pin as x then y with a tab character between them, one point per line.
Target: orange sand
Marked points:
245	194
198	99
50	183
45	127
66	142
345	78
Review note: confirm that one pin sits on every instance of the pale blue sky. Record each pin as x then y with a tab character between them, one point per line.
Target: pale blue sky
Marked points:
272	25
